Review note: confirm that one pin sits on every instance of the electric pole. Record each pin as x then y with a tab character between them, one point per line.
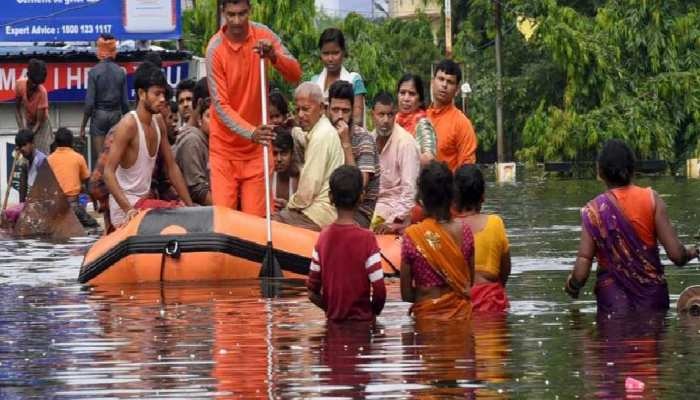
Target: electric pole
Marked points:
448	28
500	139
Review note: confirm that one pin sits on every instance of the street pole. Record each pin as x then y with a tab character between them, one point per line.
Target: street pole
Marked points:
500	139
448	28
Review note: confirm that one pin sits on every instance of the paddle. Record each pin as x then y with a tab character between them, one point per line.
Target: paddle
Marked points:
15	156
270	266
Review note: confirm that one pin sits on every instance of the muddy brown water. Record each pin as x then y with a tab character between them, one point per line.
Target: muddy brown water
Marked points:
222	340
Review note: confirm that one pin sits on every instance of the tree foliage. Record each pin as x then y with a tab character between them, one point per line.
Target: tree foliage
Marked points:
595	69
631	72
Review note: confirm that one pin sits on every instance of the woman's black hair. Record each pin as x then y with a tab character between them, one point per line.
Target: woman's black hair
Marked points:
616	163
283	139
346	187
470	187
417	82
280	103
36	71
332	35
436	190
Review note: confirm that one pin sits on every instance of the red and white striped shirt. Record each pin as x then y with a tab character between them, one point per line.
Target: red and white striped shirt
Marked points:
344	264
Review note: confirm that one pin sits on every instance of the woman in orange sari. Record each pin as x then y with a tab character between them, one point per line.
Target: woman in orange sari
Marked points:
437	255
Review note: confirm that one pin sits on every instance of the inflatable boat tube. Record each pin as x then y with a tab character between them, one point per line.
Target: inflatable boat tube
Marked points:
204	244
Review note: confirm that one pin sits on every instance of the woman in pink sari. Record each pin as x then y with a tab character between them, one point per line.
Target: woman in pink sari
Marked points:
621	228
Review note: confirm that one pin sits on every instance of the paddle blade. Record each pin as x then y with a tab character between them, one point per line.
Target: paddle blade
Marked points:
270	267
47	212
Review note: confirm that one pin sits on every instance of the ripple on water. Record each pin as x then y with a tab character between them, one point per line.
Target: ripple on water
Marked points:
222	340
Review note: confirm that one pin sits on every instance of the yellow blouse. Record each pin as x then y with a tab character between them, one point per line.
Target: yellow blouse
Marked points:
489	245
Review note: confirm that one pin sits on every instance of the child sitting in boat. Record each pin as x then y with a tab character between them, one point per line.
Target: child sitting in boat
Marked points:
341	277
286	175
71	170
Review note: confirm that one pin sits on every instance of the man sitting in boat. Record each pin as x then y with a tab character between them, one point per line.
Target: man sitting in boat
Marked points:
359	147
310	207
399	158
137	140
192	147
71	170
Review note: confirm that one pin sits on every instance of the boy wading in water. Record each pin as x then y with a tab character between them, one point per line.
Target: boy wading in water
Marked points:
340	277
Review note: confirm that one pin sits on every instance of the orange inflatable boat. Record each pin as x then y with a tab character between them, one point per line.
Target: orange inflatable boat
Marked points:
204	244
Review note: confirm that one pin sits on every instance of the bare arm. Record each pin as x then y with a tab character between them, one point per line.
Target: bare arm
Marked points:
408	292
89	102
83	124
174	173
358	112
41	117
582	266
505	267
19	115
679	254
122	138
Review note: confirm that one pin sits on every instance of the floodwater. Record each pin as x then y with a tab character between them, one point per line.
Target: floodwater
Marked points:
61	340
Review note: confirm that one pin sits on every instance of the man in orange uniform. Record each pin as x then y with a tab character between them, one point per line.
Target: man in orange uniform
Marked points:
456	138
236	131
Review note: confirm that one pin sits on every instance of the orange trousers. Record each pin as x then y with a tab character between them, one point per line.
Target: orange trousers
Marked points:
239	185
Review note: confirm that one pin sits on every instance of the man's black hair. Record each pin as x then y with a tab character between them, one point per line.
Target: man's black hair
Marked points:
200	93
23	137
436	190
36	71
280	103
470	185
449	67
186	85
332	35
341	90
224	2
384	98
417	82
63	137
616	163
153	58
283	141
173	107
148	75
346	187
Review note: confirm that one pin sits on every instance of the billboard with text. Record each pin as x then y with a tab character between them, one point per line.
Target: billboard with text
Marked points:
85	20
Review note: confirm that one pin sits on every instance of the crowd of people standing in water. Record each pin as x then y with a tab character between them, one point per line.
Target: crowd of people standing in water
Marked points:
413	175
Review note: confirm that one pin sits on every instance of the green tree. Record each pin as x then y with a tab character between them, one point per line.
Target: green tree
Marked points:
632	72
199	25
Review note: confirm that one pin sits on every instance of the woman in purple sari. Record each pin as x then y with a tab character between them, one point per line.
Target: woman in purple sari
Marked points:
621	228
